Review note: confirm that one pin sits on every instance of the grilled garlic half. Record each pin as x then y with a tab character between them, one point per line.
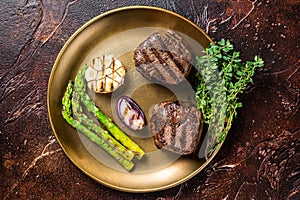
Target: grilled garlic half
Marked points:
105	75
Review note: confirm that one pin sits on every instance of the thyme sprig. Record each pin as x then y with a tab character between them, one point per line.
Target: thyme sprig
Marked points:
221	77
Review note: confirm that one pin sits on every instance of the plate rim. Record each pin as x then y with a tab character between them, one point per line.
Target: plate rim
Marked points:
51	77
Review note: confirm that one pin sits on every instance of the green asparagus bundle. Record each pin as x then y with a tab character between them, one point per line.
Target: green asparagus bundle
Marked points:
67	115
82	118
80	87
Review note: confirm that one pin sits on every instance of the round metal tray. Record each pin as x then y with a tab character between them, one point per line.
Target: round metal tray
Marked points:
119	32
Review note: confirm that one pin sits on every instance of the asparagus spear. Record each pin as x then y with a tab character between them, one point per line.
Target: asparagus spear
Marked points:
80	87
82	118
66	113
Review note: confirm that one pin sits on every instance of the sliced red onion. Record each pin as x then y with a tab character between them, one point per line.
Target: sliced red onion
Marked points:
130	113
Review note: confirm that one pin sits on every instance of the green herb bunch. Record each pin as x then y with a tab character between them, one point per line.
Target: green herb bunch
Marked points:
221	77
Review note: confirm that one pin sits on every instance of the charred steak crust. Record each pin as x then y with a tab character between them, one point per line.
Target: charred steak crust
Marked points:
164	57
176	126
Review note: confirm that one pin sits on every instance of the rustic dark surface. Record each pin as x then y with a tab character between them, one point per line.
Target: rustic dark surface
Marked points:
260	158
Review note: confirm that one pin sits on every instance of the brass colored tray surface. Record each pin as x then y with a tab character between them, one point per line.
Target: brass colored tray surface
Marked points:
119	32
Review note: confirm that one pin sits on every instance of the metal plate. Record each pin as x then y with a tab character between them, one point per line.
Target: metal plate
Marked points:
119	32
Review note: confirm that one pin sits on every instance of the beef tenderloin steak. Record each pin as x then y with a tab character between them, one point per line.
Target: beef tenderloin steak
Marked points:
176	126
164	57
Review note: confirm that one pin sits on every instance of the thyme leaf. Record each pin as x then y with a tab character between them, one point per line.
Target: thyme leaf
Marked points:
221	77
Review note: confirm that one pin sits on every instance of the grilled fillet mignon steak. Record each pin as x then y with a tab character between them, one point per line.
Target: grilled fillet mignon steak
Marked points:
176	126
164	57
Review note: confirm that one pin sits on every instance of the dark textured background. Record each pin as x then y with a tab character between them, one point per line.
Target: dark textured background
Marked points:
260	158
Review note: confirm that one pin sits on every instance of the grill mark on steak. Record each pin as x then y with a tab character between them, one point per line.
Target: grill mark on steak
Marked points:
163	54
176	126
156	67
182	50
149	70
167	56
166	73
181	53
